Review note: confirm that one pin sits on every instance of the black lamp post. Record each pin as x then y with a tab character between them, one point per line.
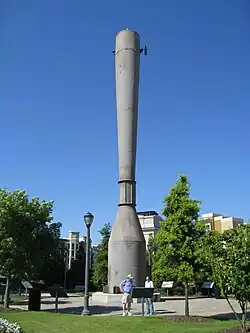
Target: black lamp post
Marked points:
149	246
88	218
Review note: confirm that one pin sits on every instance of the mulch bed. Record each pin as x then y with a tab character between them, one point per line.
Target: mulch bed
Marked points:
233	330
193	319
2	309
184	319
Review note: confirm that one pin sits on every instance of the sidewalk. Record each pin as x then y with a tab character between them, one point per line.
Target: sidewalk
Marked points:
198	307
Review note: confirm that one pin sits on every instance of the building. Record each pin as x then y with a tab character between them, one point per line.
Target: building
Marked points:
71	245
220	223
150	222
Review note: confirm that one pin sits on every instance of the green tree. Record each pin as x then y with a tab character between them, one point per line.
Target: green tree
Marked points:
100	262
28	238
76	274
175	257
52	270
228	255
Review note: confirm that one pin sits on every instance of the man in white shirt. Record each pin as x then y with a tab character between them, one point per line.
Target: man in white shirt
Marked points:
149	301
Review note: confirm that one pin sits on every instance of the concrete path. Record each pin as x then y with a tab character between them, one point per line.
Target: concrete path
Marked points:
198	307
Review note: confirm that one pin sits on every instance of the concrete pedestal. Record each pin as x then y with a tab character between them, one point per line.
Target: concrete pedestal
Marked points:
103	298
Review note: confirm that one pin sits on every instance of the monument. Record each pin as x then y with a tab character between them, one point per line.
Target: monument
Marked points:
127	249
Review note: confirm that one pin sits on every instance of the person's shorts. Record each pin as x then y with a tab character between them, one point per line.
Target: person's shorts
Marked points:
127	298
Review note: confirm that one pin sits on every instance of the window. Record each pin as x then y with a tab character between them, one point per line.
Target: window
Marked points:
208	226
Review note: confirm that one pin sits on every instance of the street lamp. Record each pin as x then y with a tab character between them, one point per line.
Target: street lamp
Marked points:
149	246
88	219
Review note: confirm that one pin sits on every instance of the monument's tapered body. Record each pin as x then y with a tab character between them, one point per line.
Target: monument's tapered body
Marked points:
127	250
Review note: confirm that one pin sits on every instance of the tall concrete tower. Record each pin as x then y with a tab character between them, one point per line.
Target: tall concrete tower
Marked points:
127	249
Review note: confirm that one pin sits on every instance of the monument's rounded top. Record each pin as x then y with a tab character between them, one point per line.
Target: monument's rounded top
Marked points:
127	39
128	30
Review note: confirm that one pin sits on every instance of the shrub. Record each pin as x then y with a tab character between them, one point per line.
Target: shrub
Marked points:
6	327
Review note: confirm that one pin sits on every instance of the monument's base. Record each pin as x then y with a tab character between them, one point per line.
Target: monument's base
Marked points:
105	298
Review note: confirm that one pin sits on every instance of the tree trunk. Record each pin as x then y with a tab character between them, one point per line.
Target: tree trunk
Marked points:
20	290
232	308
186	301
243	323
7	293
243	317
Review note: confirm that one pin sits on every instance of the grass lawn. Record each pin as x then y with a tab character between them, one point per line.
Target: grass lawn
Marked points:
40	322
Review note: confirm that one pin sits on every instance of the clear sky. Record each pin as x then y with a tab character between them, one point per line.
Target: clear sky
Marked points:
58	137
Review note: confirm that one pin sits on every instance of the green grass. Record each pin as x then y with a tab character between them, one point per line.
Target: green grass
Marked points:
40	322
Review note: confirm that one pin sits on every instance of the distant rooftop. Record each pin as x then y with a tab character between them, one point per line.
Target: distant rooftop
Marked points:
148	213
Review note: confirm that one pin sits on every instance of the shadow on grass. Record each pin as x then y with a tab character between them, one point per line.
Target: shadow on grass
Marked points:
104	310
95	310
50	301
228	316
162	312
182	298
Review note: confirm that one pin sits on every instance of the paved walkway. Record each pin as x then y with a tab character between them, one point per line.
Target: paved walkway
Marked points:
198	307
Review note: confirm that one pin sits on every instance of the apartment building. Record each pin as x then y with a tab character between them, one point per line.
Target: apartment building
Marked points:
71	245
220	223
150	223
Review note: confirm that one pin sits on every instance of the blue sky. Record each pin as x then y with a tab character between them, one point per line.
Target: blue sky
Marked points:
57	103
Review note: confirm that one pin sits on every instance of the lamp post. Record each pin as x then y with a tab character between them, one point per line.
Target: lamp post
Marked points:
149	246
88	219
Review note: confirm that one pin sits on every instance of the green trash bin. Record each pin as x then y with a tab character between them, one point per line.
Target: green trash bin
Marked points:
34	303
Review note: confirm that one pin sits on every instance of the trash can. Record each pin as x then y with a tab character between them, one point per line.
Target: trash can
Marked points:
217	292
34	303
156	297
116	290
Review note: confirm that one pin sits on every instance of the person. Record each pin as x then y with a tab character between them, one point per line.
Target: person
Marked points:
127	289
149	301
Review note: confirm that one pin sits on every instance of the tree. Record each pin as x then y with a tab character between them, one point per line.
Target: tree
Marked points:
228	255
175	257
76	274
28	238
53	268
100	263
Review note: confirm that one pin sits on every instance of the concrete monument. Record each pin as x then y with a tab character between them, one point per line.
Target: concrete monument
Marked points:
127	250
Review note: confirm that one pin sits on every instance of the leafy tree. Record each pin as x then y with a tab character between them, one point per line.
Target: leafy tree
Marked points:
76	274
149	251
100	262
52	270
175	257
28	238
228	255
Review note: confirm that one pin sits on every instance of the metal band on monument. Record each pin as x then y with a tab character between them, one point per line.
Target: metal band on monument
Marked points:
127	192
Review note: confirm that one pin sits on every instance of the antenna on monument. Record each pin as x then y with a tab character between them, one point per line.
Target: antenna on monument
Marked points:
145	50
